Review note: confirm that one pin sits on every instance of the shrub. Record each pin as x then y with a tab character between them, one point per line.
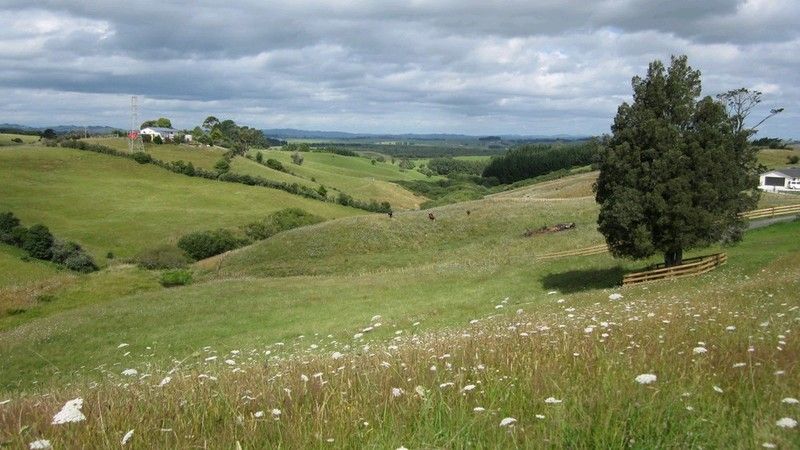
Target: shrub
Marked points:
38	242
8	222
62	250
178	277
110	255
204	244
259	157
275	164
297	158
157	140
222	165
282	220
794	159
17	140
162	257
81	262
142	157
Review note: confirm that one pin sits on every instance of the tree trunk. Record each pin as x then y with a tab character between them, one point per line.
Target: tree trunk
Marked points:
673	257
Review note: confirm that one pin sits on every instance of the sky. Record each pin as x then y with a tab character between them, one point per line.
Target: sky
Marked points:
540	67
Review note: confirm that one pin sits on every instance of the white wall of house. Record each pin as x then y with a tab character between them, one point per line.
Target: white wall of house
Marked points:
778	181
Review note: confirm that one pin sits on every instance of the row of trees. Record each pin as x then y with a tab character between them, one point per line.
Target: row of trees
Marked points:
228	134
40	243
529	161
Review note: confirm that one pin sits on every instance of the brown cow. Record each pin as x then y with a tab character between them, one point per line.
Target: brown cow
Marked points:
431	216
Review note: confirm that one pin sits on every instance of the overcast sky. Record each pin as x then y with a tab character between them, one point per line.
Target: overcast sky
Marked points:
462	66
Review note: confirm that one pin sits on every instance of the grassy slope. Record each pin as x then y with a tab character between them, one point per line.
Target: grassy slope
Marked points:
355	176
14	271
113	204
200	156
6	139
777	158
514	362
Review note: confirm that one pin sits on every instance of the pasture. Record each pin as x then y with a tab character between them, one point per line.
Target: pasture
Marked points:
7	139
111	204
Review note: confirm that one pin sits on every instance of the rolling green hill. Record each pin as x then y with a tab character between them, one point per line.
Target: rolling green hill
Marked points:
111	204
6	139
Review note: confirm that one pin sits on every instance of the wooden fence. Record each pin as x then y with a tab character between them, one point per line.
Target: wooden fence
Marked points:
771	212
690	267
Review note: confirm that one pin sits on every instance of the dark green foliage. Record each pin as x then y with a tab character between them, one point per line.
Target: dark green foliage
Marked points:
61	250
157	140
161	122
49	134
80	262
794	159
222	165
38	242
676	172
204	244
275	164
530	161
259	157
8	222
322	191
110	255
178	277
406	164
185	168
767	142
447	166
285	219
142	157
162	257
17	140
337	151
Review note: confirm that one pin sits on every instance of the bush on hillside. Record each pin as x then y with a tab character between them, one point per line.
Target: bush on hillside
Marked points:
80	262
162	257
282	220
142	157
259	157
794	159
62	250
38	242
8	222
205	244
178	277
275	164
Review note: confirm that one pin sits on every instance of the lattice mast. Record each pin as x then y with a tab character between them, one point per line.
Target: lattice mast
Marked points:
135	143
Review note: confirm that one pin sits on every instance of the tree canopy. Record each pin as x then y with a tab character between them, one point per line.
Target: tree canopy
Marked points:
161	122
676	171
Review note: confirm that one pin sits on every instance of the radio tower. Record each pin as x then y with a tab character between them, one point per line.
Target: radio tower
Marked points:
135	143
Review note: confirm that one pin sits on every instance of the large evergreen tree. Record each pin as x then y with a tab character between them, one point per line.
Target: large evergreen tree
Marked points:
676	171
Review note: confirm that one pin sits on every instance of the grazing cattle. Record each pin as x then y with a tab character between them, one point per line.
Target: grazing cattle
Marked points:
431	216
390	213
468	212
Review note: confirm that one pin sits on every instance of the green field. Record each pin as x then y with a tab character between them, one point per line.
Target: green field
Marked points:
6	139
111	204
15	271
777	158
200	156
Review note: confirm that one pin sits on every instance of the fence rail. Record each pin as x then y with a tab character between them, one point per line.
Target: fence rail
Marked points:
696	266
586	251
771	212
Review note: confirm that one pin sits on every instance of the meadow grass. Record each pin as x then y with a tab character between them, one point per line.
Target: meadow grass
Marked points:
777	158
15	271
408	385
200	156
6	139
353	175
114	204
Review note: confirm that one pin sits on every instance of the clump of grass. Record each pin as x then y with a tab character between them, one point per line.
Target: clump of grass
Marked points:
179	277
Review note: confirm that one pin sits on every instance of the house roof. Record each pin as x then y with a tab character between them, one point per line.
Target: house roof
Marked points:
793	172
161	130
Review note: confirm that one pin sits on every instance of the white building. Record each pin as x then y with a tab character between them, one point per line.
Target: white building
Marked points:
780	179
164	133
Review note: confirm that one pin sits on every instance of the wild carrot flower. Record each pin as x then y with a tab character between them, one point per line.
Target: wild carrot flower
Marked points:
128	436
71	412
41	444
508	421
786	422
646	378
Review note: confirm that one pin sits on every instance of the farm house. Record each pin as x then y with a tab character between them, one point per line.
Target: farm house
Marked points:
164	133
780	179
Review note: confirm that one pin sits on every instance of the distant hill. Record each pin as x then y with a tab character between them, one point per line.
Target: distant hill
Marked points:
61	129
293	133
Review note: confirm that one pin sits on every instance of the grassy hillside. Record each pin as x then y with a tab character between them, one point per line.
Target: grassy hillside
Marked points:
114	204
199	156
355	176
6	139
15	271
776	158
233	348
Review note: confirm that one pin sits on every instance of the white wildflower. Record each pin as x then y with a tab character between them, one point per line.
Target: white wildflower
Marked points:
276	413
468	388
646	378
730	328
420	391
539	416
448	384
211	358
508	421
71	412
41	444
552	401
258	414
718	389
375	318
786	422
358	335
123	345
304	377
473	321
479	409
336	355
699	350
165	381
615	296
130	372
790	401
128	436
769	445
230	362
739	364
397	392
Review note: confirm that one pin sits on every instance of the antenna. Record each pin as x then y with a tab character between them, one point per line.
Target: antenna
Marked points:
135	143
